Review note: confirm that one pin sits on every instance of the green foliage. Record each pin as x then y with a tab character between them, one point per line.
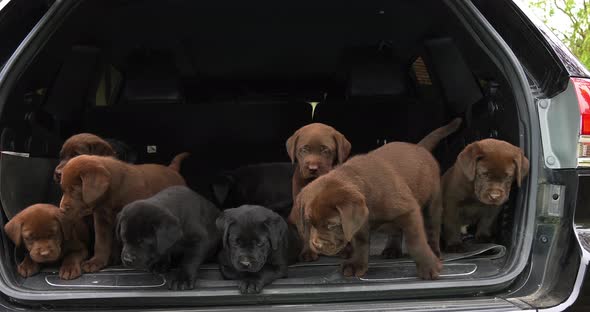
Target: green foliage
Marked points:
576	35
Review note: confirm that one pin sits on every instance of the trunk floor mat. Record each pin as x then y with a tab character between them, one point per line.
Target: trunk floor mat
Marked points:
477	261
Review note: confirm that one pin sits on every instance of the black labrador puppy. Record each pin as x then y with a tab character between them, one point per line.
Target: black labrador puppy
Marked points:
258	245
265	184
175	224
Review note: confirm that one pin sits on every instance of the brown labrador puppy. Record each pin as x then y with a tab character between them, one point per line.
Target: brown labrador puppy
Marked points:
477	185
101	186
389	185
81	144
49	237
393	247
315	149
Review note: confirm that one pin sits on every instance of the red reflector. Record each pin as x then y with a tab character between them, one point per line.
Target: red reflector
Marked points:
583	92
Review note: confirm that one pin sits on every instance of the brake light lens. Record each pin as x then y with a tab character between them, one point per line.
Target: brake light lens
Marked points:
582	87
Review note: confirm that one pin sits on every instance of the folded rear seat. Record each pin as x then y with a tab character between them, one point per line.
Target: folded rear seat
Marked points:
156	118
375	108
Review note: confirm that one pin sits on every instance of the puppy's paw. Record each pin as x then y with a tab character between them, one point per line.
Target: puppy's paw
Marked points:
391	253
455	248
308	256
27	268
250	286
93	265
429	270
70	271
183	281
350	268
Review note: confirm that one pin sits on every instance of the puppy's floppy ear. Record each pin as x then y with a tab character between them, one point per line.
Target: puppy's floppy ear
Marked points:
468	158
292	146
95	183
342	146
120	218
522	166
353	215
277	227
168	232
297	215
13	229
223	222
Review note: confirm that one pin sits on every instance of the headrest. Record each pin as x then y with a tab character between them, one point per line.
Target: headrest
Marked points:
377	76
152	78
452	74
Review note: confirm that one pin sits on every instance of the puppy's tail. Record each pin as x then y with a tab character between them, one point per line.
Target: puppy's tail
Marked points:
430	141
177	160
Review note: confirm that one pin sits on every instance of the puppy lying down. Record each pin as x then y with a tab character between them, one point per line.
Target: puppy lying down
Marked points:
176	223
49	237
257	247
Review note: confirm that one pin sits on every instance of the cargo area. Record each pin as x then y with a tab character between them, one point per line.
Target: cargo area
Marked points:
229	82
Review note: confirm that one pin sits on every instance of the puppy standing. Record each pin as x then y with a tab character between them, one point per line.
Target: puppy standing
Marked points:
101	186
315	149
49	237
258	246
389	185
476	187
175	223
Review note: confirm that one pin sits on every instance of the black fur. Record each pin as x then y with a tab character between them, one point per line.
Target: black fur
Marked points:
258	245
267	185
175	223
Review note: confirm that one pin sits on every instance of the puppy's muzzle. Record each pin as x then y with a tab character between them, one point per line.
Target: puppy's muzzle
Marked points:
245	262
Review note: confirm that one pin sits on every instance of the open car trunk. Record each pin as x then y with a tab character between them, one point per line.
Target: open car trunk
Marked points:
229	82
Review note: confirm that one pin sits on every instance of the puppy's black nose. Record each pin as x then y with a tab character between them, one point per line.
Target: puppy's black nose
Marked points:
245	261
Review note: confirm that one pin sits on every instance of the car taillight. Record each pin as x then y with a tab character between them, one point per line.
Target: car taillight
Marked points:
582	87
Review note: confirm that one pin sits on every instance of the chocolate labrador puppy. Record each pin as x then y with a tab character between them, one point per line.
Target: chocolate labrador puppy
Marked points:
388	186
476	187
267	184
49	237
258	246
175	223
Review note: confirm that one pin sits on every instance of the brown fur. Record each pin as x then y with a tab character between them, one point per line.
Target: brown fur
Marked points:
101	186
49	236
81	144
315	148
386	186
477	185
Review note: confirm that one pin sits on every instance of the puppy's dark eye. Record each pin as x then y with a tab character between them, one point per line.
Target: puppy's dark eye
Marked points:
304	150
